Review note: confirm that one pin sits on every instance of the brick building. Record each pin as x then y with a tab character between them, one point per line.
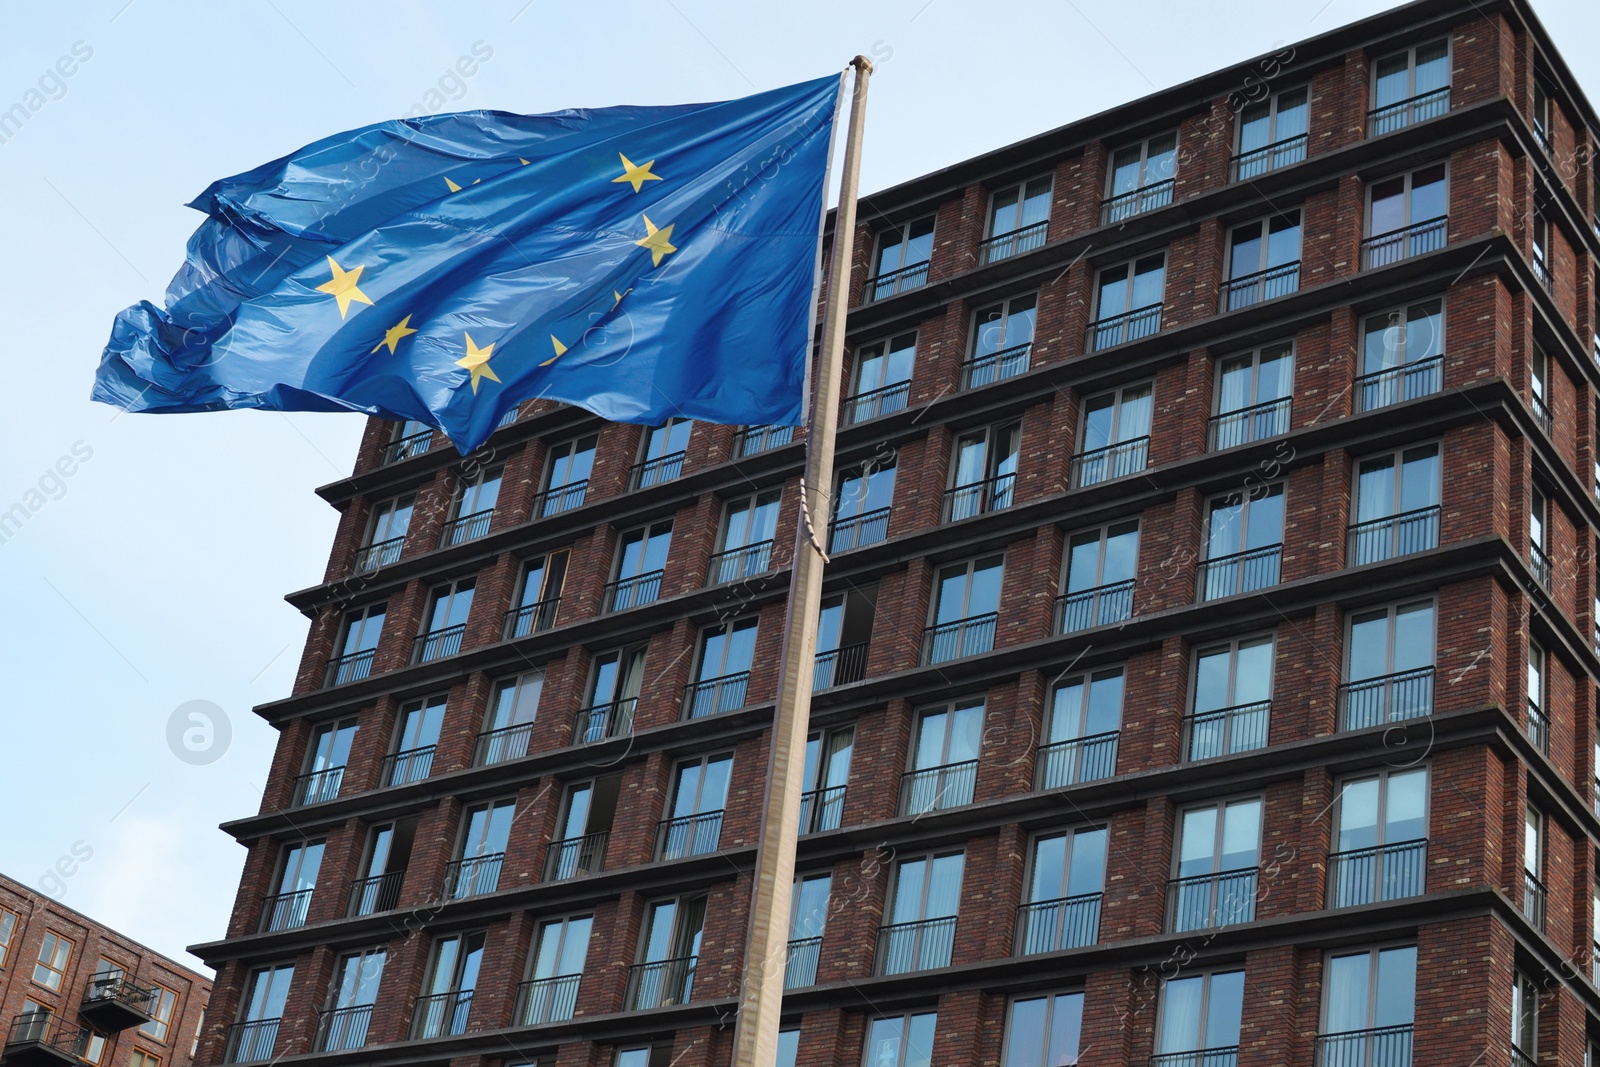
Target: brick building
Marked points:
1208	657
74	992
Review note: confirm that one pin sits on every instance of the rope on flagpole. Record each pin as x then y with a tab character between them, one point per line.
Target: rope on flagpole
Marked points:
805	520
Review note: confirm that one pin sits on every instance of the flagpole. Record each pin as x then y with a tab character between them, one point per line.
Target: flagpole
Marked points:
755	1034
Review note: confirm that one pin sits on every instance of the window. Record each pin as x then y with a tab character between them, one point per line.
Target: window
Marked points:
921	926
614	683
965	608
1539	389
1541	245
253	1037
723	681
901	1041
1272	133
1381	838
473	507
1368	1007
1402	355
754	440
1101	565
748	527
1219	848
1140	178
844	623
415	741
484	833
1538	713
1043	1031
788	1048
1538	536
1389	665
538	597
1263	261
1019	220
1066	879
902	260
141	1058
826	775
1128	302
357	647
446	1002
566	483
356	979
861	504
1406	216
326	757
808	916
1254	394
1002	341
555	970
8	930
944	758
445	624
512	711
1232	697
983	474
1397	505
286	908
1085	722
1200	1013
651	1056
585	829
409	438
1541	112
883	378
1411	85
693	825
1524	1020
1114	439
386	534
669	951
1244	542
661	453
641	564
1533	892
388	853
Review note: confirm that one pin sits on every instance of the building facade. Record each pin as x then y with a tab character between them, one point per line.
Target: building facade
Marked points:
74	992
1208	658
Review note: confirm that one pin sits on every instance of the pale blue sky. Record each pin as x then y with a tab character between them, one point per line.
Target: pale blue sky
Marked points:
156	577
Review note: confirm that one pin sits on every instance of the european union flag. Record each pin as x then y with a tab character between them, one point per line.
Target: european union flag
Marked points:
642	262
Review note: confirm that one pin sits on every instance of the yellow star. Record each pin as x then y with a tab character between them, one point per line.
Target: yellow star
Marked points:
561	350
620	295
392	335
658	241
454	188
524	162
342	286
477	363
635	176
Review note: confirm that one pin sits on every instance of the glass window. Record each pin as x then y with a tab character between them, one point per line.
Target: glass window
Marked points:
862	501
882	378
1218	850
1525	1017
1101	567
54	953
1380	842
944	758
512	710
1044	1031
416	738
1373	989
826	775
479	493
1200	1012
614	681
1254	392
1140	177
920	929
788	1047
1397	504
1081	730
661	452
1128	300
1272	133
669	949
1401	355
1114	438
1389	664
1263	260
445	623
1410	73
1019	217
446	1003
693	825
902	259
844	625
1066	877
8	930
357	645
538	596
808	917
965	608
567	480
1232	697
1002	340
555	970
723	679
1244	542
901	1041
356	978
1406	216
983	472
261	1011
298	867
386	533
748	528
484	832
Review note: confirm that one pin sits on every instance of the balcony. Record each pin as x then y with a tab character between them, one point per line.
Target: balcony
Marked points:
36	1039
1385	1046
284	911
406	447
800	962
1382	249
839	666
713	696
1258	161
1541	272
1077	760
689	835
547	1000
1397	116
601	721
111	1003
509	417
1136	202
472	876
991	367
660	983
381	892
559	498
1392	535
858	531
1385	699
1240	572
1538	728
1224	731
1120	329
1520	1058
1381	872
821	809
744	561
466	528
875	402
531	618
946	641
343	1029
977	498
650	472
921	945
1053	925
1005	245
441	1014
251	1041
938	788
349	668
914	276
315	787
409	765
1541	413
1117	460
1533	898
574	857
369	558
437	644
1207	901
502	744
634	591
1230	429
1100	606
1269	284
1200	1057
753	440
1391	385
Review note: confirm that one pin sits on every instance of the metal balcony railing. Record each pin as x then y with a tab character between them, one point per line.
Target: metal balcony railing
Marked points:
1385	699
441	1014
689	835
1116	460
1384	1046
1403	113
1520	1058
1541	412
1013	243
977	498
743	561
437	644
1392	535
1230	429
650	472
1538	728
547	1000
1257	161
1382	249
502	743
351	667
369	558
531	618
1240	572
713	696
509	417
114	987
658	983
1533	898
1053	925
251	1041
1224	731
406	447
342	1029
875	402
858	531
991	367
1391	385
1541	271
284	911
411	765
315	787
1227	1056
381	892
1120	329
574	857
1594	955
466	528
839	666
1076	760
821	809
913	276
39	1029
1539	564
559	498
473	876
1380	872
1205	901
946	641
601	721
753	440
1269	284
800	962
1100	606
921	945
634	591
1136	201
937	788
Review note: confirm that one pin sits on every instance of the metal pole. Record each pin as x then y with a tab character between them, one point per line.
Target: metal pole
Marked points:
755	1034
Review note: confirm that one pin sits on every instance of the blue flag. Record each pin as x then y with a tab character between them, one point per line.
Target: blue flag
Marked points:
641	262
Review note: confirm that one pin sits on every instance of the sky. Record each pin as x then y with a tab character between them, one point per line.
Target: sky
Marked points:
143	597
